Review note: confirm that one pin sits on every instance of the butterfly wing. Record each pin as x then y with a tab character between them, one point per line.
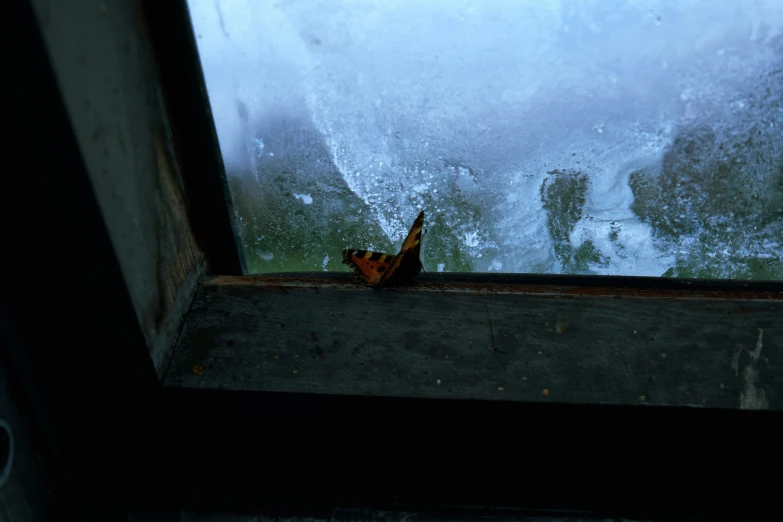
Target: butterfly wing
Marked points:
369	266
407	264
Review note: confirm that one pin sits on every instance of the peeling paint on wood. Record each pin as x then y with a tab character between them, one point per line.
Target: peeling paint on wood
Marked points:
752	396
483	341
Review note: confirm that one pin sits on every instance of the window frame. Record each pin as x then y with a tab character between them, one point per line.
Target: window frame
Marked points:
104	419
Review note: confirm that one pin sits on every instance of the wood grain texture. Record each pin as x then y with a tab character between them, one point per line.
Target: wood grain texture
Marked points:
126	136
498	341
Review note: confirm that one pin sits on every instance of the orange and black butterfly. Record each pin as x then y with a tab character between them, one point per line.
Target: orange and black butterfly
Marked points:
378	269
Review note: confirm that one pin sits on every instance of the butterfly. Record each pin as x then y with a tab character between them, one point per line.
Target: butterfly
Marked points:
378	269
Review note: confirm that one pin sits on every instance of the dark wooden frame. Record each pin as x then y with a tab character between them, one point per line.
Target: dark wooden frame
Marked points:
115	439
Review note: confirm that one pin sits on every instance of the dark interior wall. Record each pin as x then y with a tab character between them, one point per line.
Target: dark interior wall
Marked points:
107	74
23	491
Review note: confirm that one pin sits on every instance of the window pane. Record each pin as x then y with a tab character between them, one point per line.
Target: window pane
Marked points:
624	137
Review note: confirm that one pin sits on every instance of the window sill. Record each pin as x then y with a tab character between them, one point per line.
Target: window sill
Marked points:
585	340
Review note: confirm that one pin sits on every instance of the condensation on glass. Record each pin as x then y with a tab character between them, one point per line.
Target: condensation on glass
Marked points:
622	137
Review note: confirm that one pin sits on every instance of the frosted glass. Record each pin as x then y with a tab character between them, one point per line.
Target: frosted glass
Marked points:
622	137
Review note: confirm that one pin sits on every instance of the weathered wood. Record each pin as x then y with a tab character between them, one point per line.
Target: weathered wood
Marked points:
70	341
183	90
494	341
124	134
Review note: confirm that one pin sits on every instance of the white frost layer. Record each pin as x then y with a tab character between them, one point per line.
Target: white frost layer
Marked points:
507	89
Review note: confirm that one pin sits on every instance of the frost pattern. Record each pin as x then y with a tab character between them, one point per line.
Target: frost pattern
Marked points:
628	137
